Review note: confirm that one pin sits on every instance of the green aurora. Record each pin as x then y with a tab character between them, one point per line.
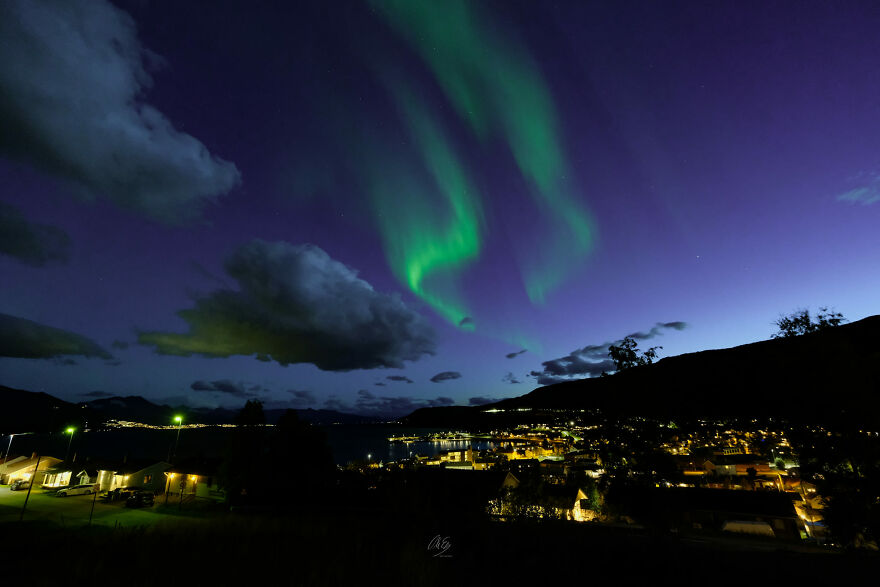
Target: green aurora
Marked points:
493	86
420	249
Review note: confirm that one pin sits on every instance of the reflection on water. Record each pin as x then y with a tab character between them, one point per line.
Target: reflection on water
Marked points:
350	443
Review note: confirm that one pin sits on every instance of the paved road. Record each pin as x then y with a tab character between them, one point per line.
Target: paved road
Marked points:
74	510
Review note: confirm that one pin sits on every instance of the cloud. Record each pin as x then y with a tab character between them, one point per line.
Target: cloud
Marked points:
31	340
385	407
510	378
302	398
481	401
119	345
657	330
446	376
467	323
30	243
379	384
113	363
866	194
399	378
297	305
516	354
593	360
97	394
73	75
222	386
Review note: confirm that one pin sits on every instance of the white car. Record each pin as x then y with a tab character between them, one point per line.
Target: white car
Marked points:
77	490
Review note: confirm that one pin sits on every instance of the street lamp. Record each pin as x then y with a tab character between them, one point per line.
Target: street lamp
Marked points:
70	431
179	420
9	446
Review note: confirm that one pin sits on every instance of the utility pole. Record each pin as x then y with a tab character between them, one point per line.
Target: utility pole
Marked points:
94	498
30	485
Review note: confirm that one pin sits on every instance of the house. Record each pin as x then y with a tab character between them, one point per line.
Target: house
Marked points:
738	466
26	468
523	467
146	474
569	503
149	475
195	477
57	476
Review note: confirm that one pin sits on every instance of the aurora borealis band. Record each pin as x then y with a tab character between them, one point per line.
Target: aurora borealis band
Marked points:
495	88
378	205
424	241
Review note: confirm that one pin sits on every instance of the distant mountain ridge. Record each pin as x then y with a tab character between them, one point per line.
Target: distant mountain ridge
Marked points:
27	411
828	375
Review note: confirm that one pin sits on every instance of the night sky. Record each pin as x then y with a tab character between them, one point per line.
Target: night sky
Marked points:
373	206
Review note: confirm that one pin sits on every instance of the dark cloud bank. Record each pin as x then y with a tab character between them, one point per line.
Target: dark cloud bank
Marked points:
222	386
593	360
297	305
73	75
31	340
446	376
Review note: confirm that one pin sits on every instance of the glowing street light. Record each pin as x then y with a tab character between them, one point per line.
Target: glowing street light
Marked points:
70	431
179	420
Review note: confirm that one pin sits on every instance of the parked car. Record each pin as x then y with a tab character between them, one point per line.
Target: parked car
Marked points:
119	494
77	490
140	499
20	484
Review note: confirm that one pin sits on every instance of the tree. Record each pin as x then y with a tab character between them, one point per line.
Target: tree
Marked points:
246	456
800	322
752	475
627	356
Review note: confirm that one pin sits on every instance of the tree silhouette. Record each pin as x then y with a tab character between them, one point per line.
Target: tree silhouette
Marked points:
800	322
627	356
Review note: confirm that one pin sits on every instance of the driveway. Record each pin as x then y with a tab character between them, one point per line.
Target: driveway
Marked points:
74	510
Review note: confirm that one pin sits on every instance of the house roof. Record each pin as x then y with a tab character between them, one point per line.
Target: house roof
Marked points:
46	463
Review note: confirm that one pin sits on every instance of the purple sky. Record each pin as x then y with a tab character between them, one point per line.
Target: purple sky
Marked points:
159	156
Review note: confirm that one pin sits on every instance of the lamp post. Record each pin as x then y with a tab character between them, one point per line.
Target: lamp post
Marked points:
11	436
70	431
179	420
9	446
